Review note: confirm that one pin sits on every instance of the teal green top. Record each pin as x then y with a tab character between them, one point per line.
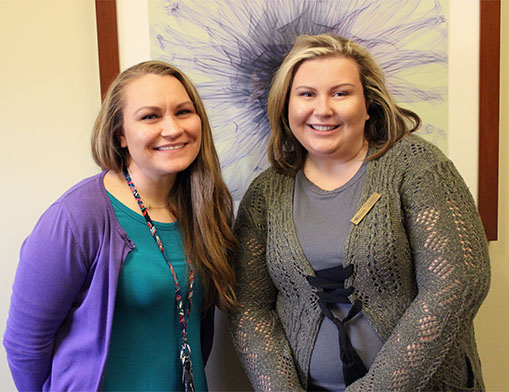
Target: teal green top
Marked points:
145	336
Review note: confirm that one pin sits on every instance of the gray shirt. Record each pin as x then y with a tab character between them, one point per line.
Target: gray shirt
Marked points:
322	221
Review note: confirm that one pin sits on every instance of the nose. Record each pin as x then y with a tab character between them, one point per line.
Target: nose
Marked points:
323	106
170	127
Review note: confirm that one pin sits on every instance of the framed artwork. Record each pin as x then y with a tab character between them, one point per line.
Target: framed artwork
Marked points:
230	50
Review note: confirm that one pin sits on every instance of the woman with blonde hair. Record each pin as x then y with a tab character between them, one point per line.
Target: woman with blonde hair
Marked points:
116	285
362	260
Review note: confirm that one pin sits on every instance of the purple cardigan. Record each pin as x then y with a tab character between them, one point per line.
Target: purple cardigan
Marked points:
63	298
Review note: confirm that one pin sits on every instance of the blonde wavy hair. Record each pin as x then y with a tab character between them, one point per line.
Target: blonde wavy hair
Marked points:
200	199
387	122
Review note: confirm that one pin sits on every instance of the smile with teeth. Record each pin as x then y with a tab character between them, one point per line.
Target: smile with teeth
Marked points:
323	127
166	148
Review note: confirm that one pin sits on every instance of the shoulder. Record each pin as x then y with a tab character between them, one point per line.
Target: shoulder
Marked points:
83	190
416	149
410	156
268	176
270	179
419	166
262	192
83	207
85	201
267	185
74	224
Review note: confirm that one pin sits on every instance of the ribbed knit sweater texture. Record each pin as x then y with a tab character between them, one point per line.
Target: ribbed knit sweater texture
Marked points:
421	271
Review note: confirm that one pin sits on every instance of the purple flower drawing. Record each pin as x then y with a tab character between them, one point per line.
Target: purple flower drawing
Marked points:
231	49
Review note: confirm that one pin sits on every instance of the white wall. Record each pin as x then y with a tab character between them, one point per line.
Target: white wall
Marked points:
463	96
49	99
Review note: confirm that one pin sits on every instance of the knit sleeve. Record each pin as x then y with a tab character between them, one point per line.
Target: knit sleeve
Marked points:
450	255
48	278
257	332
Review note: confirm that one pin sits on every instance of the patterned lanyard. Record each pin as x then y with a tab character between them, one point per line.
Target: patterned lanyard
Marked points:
183	315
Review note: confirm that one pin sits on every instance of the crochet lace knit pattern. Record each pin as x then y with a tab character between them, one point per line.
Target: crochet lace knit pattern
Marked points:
421	271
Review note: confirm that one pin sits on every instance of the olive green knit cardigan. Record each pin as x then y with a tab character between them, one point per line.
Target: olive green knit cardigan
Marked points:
421	271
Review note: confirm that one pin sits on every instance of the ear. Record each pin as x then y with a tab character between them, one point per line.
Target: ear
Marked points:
367	104
123	140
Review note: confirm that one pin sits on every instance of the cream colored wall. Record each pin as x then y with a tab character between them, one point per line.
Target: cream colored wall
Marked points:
49	97
492	322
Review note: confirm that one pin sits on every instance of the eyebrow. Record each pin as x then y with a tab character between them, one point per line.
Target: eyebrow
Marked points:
185	103
332	88
146	108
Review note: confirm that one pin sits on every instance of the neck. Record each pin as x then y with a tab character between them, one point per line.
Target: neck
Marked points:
329	174
154	192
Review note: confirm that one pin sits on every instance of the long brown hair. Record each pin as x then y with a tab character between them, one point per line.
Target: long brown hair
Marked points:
387	122
200	199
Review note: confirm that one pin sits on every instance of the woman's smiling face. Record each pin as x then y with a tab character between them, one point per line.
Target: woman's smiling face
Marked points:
327	110
161	128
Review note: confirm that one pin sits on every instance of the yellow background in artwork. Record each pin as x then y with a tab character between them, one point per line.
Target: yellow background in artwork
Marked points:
50	97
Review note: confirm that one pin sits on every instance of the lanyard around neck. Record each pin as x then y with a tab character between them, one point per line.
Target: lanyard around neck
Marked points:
183	314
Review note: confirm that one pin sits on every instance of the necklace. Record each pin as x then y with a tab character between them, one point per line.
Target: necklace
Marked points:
183	311
149	207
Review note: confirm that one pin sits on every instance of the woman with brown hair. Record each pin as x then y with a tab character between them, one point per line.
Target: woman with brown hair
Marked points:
362	260
116	285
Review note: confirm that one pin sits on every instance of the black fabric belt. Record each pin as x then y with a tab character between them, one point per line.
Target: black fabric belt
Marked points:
330	285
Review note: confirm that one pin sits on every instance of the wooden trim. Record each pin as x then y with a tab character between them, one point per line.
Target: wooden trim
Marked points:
488	95
107	42
489	85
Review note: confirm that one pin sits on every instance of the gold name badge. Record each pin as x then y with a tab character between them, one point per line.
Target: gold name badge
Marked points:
359	215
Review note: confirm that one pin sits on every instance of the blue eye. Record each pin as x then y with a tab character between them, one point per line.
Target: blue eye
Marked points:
340	93
306	94
149	117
